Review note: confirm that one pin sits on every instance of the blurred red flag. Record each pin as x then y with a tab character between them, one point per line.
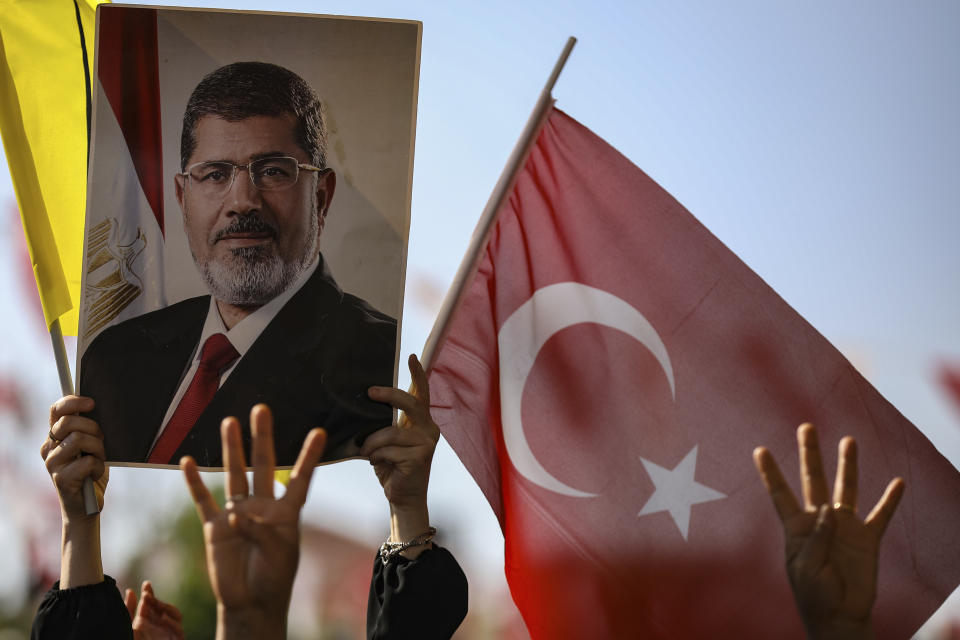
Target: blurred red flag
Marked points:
950	378
605	379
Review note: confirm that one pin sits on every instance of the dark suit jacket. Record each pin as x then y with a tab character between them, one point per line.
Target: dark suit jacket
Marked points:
312	365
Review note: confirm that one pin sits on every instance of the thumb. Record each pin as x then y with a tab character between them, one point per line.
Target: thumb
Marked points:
814	553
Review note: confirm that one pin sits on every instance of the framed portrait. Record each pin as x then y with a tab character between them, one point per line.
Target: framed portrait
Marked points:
248	210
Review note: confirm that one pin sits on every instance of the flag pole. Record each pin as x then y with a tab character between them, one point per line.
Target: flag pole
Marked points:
66	388
471	259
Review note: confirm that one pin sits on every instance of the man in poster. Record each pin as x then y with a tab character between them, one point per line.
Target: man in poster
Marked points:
254	190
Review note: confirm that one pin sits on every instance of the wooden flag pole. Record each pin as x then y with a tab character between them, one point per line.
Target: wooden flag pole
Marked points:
471	259
66	388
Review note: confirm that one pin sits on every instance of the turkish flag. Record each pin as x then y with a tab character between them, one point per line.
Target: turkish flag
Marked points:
605	379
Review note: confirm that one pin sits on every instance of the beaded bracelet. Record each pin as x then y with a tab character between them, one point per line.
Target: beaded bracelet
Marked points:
390	550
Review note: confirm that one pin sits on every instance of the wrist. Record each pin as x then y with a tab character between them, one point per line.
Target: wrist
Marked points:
408	522
79	521
80	561
250	623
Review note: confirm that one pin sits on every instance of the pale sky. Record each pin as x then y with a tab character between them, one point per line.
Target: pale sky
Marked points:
820	141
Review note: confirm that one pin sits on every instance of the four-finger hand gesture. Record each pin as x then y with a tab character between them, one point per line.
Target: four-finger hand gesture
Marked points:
831	553
253	544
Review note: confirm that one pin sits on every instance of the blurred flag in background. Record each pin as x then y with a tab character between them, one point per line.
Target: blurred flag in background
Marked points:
950	379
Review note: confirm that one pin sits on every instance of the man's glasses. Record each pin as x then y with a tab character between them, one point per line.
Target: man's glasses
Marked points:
212	179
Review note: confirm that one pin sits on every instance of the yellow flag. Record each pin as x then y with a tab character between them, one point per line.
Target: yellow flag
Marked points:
44	96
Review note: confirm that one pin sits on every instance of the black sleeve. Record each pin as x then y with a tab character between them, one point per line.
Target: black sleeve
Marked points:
90	611
422	598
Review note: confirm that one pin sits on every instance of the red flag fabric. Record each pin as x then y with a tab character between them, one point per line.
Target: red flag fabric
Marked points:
605	379
950	379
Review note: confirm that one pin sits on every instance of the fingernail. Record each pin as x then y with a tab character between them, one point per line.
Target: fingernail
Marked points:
373	392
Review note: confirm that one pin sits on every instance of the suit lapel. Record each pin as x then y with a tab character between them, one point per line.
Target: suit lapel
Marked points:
172	344
278	356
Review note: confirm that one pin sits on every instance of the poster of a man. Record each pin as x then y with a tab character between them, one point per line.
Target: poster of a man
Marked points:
255	187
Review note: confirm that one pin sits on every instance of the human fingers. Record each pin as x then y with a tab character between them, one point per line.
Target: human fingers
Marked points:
68	477
812	478
303	470
391	436
391	455
882	512
130	600
397	398
71	447
206	506
148	600
69	405
147	609
261	424
170	611
233	460
845	485
783	499
421	385
150	607
173	625
65	425
816	549
158	608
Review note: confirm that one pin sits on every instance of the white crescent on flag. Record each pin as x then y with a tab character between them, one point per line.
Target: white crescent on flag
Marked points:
549	310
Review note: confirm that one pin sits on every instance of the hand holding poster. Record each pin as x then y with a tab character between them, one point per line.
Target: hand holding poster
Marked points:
290	164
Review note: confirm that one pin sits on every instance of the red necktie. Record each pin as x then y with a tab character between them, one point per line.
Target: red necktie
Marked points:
217	354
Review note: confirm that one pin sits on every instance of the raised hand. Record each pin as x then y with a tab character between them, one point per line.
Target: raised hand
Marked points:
253	544
153	619
68	437
401	456
831	553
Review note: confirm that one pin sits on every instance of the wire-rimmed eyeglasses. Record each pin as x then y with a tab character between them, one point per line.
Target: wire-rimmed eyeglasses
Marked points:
267	174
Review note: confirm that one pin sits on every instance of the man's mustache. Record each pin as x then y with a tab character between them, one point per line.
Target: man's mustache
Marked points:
250	223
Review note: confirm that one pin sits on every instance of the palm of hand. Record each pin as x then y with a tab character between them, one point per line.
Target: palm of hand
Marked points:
401	454
71	494
243	572
153	631
844	586
146	630
405	480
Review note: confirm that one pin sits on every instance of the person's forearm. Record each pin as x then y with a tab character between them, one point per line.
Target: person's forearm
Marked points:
408	522
249	624
80	561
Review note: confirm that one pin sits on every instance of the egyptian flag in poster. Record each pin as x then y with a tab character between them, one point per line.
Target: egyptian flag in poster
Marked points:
605	378
123	254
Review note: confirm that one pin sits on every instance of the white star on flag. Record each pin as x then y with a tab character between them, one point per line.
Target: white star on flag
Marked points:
676	491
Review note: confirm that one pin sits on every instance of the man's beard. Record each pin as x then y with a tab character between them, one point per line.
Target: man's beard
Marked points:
255	275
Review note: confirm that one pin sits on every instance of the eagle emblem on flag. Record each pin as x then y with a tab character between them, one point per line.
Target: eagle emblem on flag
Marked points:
112	284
